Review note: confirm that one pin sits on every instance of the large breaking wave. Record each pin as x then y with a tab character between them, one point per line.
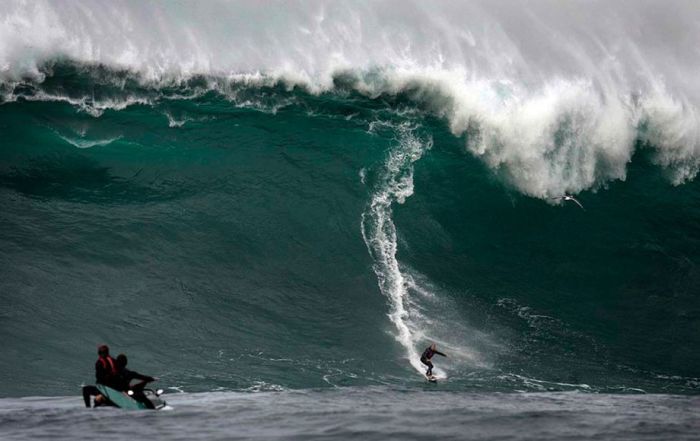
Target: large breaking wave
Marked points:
553	98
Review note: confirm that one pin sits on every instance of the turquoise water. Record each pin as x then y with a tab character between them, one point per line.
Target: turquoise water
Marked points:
238	242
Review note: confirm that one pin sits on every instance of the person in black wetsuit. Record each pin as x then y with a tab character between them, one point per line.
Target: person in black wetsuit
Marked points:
427	355
124	377
105	372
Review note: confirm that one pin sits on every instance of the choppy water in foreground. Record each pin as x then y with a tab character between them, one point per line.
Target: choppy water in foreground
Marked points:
363	413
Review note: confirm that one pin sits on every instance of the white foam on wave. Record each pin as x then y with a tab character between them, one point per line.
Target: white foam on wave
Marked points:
434	318
88	143
379	233
564	136
177	120
673	127
412	299
552	96
85	104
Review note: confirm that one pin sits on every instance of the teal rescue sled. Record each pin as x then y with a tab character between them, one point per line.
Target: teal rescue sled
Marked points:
124	401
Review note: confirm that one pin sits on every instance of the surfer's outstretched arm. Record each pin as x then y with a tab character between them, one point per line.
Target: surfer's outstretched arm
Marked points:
440	353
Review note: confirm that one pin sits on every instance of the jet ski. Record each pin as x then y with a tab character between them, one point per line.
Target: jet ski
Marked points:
133	400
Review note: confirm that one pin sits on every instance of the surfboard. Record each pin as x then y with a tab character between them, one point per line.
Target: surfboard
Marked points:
120	399
432	378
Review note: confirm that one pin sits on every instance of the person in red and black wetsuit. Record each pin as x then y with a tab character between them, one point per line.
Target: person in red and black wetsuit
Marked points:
427	355
105	373
105	367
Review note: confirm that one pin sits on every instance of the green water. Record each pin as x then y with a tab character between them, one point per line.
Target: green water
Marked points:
217	239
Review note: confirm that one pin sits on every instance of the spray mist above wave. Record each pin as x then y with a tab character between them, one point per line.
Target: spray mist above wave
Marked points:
553	97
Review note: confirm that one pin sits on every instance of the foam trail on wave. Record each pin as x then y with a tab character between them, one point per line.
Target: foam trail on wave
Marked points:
85	104
379	233
88	143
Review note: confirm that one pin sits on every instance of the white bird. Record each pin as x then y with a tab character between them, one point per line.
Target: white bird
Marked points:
566	197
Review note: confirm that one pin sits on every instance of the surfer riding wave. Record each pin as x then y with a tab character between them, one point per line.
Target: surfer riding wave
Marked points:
427	355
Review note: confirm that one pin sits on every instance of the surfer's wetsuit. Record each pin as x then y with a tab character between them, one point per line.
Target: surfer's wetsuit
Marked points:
425	359
123	380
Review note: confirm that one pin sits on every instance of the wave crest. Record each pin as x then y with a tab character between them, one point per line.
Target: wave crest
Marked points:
553	97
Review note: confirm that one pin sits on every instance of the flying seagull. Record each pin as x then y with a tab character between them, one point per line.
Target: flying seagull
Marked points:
567	197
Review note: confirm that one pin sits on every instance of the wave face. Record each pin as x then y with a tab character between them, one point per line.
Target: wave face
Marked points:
256	199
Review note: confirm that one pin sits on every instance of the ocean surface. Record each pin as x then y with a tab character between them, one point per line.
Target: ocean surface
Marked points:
368	413
275	210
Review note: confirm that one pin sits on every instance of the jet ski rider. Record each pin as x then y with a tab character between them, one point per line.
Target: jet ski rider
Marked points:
124	377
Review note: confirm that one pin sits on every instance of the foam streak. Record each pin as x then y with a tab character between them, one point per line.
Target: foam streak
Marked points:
379	233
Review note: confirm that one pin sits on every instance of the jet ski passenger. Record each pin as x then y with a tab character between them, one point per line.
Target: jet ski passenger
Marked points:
105	373
124	377
427	355
105	366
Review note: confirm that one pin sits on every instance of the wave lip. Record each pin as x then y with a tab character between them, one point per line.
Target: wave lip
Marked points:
562	138
552	97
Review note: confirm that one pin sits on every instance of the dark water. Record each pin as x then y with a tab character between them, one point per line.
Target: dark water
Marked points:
364	413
